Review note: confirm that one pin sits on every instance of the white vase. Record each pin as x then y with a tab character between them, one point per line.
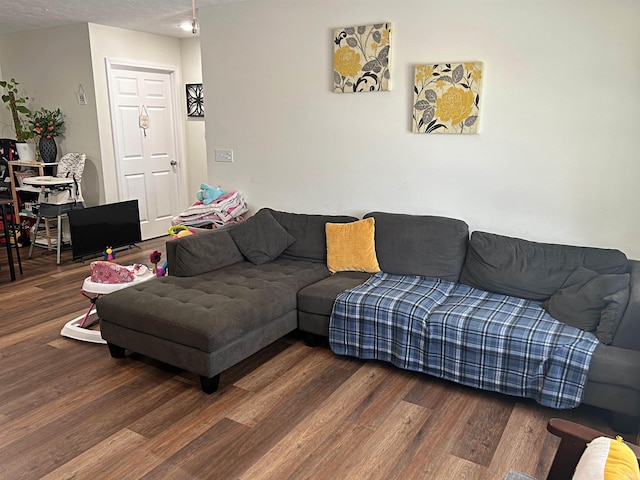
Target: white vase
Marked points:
26	152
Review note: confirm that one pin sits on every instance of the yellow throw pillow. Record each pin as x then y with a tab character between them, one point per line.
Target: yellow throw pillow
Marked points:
607	459
351	247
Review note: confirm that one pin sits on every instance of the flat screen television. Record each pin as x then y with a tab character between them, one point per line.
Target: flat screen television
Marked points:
93	229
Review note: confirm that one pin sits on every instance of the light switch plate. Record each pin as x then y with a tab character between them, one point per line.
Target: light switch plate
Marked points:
224	155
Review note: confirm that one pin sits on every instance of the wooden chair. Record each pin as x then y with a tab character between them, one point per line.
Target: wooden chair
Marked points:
573	442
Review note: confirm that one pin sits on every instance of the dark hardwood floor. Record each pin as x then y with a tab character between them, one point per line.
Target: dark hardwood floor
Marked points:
70	411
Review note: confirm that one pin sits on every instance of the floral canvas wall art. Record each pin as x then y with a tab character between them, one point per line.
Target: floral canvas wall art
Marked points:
362	58
447	98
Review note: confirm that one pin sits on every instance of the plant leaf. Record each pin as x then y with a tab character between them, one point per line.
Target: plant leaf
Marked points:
431	96
350	30
376	36
465	85
477	99
384	53
378	25
362	29
336	77
458	73
352	42
367	67
470	120
386	74
447	78
428	114
435	127
421	105
415	89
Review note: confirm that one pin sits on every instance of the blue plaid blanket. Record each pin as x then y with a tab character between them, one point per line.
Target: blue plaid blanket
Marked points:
453	331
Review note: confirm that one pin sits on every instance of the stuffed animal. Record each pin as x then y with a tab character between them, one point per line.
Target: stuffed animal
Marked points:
208	194
178	231
109	254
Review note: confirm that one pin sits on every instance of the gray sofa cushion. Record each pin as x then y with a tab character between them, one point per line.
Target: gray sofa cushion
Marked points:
261	238
532	270
420	244
202	252
319	297
309	233
204	311
591	302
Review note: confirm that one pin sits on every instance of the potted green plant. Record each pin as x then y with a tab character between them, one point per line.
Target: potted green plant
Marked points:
17	105
46	125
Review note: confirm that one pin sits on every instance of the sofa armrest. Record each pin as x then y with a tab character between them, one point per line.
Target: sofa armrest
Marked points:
202	252
573	441
628	332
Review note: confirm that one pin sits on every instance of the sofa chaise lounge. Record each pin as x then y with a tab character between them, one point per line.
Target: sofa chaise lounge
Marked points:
231	292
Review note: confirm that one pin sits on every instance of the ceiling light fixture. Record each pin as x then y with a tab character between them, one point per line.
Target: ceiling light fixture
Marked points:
194	20
193	25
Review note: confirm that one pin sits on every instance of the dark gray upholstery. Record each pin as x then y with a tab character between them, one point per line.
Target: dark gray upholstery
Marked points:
202	252
429	246
319	297
591	302
203	312
261	238
201	318
207	364
315	301
532	270
309	232
216	309
614	380
628	331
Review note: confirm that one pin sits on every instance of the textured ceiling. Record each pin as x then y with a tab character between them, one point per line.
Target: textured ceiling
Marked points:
153	16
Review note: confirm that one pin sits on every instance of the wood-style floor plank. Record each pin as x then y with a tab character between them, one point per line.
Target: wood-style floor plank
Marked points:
70	411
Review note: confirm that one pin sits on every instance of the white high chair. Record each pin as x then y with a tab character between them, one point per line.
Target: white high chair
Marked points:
58	195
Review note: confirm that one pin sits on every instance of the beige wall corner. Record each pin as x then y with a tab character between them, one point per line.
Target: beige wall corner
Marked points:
195	143
50	64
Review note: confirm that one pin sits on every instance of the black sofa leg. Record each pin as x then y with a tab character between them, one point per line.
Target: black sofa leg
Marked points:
209	385
115	350
310	339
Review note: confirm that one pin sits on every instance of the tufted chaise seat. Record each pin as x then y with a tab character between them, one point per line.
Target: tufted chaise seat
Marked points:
209	323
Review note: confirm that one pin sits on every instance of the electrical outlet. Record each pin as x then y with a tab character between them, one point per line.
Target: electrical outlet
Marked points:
224	155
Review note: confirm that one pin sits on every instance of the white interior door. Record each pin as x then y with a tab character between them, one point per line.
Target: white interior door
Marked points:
146	160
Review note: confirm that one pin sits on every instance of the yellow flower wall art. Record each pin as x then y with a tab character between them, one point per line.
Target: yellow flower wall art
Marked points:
361	58
447	98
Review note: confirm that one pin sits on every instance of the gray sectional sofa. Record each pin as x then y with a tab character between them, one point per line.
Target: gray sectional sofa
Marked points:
233	291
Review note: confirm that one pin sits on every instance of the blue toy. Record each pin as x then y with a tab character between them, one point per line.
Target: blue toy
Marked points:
208	194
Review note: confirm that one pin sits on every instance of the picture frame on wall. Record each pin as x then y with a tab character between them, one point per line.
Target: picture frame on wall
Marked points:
195	100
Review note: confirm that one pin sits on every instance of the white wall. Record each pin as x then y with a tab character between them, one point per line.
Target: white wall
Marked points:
50	64
134	47
556	157
6	129
195	144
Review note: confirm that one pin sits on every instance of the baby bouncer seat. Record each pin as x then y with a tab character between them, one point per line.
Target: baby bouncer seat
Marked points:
57	196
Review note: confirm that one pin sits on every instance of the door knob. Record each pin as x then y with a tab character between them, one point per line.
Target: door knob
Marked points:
173	163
